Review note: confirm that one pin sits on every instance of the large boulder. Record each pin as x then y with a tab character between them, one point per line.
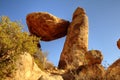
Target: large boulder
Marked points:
27	69
46	26
76	44
113	71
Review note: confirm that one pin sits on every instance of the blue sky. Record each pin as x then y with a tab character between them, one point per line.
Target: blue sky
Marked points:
104	22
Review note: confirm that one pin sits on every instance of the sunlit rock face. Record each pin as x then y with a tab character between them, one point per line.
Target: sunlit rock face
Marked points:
27	69
46	26
113	71
76	43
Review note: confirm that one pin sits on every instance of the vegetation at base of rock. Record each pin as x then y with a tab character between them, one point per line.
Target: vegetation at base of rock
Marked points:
13	43
40	59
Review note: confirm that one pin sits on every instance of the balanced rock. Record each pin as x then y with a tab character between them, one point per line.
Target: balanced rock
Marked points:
94	57
76	43
118	43
113	71
46	26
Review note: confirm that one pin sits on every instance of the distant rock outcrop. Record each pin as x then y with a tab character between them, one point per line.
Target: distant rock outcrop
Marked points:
46	26
113	71
118	43
76	44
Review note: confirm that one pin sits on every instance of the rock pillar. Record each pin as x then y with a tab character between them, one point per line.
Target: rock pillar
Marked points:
76	43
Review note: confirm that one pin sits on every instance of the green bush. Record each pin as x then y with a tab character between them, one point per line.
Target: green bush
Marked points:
13	43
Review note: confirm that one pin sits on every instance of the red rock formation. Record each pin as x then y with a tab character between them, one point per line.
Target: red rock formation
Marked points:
87	72
94	57
118	43
76	43
113	71
46	26
91	72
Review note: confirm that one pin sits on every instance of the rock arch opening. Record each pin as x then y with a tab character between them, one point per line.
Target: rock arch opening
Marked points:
54	49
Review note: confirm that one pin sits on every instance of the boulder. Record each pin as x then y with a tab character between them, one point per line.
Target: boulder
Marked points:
94	57
113	71
118	43
27	69
87	72
76	44
91	72
46	26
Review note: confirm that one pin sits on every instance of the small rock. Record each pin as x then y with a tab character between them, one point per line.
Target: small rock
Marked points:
118	43
94	57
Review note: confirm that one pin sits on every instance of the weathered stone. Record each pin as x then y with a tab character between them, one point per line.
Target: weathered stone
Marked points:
87	72
27	69
113	71
76	43
46	26
94	57
118	43
51	77
91	72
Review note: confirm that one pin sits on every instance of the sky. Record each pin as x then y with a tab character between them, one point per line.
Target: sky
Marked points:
103	15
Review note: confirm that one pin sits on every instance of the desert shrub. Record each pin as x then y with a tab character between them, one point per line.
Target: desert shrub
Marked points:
40	59
13	42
